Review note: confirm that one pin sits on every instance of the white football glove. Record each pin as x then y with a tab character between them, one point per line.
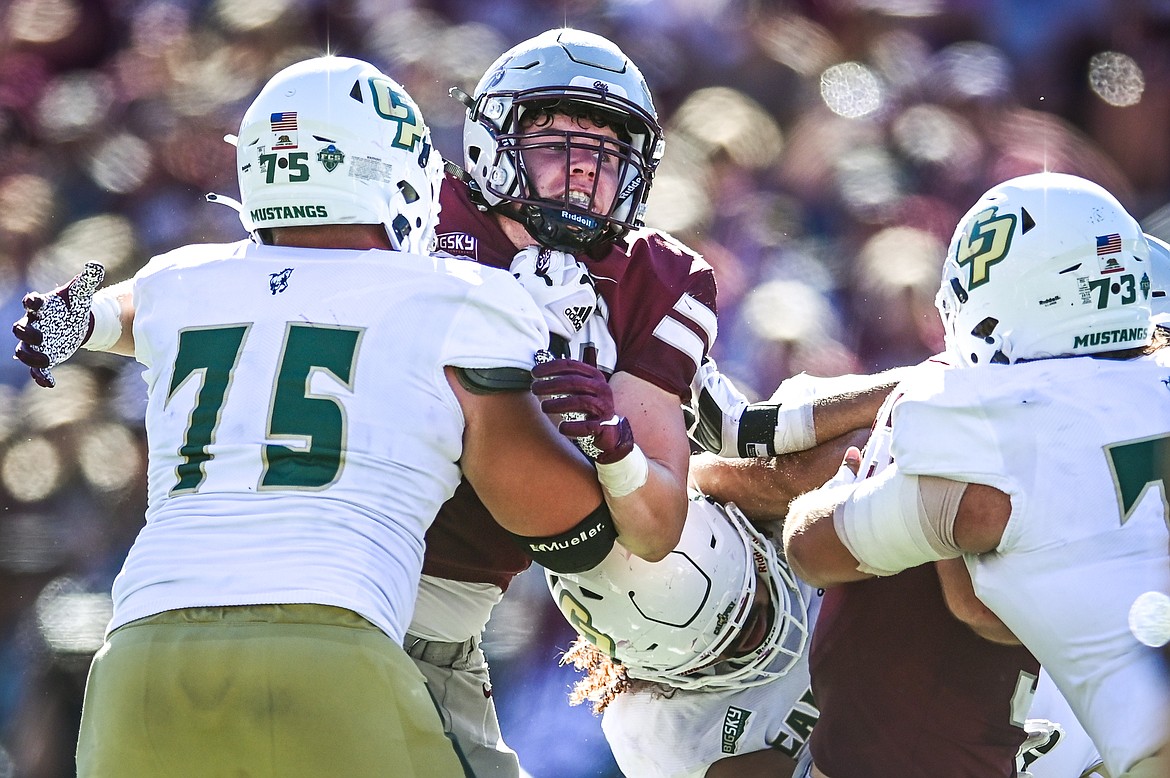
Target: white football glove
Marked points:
722	420
716	408
561	287
56	323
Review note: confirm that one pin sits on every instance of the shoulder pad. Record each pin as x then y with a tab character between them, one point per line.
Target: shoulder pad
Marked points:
491	380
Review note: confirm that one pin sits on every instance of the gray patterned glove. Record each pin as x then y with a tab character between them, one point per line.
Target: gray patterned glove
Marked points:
56	323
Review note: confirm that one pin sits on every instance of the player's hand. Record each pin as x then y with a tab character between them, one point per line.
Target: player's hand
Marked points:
847	473
55	324
715	411
561	287
568	386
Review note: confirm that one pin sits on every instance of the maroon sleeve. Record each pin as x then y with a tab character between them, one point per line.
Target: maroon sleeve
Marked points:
661	305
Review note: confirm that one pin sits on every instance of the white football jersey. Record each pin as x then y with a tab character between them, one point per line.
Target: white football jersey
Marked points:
657	732
1069	752
1083	448
302	433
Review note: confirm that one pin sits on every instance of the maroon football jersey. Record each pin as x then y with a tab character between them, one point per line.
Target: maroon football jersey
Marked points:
655	320
906	689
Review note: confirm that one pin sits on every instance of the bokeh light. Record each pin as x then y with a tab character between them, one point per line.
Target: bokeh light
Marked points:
42	21
75	398
72	621
106	238
121	163
75	105
109	457
851	90
252	15
31	469
789	311
932	134
1116	78
26	203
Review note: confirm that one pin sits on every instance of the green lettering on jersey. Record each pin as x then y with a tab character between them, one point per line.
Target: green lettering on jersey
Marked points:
212	355
315	422
1138	465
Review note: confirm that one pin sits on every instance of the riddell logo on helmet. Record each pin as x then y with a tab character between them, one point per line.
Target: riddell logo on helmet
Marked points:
584	221
288	212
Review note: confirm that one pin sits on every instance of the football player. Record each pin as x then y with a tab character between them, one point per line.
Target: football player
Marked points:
1039	460
699	658
314	395
561	141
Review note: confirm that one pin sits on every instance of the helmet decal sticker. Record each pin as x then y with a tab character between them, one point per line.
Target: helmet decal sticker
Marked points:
330	157
1109	253
986	242
284	130
391	104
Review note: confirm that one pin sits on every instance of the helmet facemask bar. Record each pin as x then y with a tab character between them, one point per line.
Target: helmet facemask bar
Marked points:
557	219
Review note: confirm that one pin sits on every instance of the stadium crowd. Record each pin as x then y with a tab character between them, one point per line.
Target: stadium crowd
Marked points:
818	154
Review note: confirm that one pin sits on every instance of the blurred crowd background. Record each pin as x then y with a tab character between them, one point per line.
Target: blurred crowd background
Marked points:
818	154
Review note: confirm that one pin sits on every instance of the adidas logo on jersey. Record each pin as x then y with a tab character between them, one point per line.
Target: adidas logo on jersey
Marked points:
578	314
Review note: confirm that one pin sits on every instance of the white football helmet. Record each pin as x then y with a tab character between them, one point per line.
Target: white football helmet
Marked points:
1045	265
333	140
1160	276
673	621
562	71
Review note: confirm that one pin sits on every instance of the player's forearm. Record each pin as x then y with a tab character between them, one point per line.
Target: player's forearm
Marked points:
113	314
649	519
764	488
852	409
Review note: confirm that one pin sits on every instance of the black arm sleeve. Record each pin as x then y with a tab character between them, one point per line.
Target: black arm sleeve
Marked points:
577	550
491	380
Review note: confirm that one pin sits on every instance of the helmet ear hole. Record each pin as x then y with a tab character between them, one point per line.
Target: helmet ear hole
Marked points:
401	227
984	329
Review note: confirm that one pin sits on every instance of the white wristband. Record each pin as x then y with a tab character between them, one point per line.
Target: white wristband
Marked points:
107	322
794	428
626	475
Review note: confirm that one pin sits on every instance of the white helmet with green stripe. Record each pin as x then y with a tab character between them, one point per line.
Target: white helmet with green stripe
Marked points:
1045	265
333	140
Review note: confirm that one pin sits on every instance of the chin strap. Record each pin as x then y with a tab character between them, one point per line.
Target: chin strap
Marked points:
230	202
559	228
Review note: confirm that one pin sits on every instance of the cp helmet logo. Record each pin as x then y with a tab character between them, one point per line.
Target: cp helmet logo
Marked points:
985	242
394	106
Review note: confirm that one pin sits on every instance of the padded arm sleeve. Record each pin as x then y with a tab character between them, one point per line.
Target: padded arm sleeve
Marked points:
577	550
